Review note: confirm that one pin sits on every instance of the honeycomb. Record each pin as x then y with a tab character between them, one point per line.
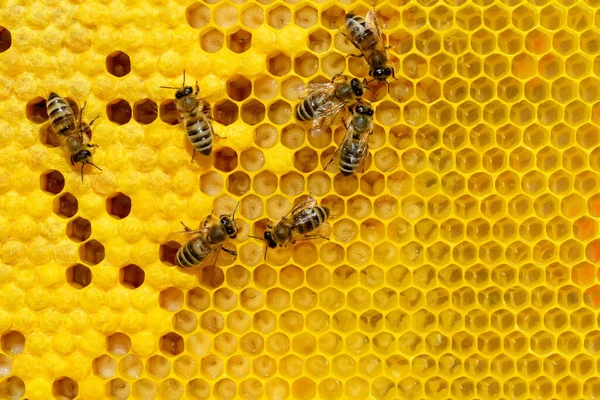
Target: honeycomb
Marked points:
462	263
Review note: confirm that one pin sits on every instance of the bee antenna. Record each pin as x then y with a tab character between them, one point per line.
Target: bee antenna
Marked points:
255	237
234	210
169	87
183	78
266	249
82	165
93	165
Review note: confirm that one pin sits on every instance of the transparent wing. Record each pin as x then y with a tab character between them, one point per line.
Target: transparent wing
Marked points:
373	23
363	146
325	115
182	237
317	88
303	202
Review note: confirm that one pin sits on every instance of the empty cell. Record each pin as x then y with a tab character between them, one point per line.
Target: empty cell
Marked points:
79	276
197	15
91	252
118	389
65	389
171	299
212	41
253	16
252	159
280	112
211	183
119	111
36	110
332	17
266	136
168	112
171	344
104	367
5	39
158	366
131	276
118	205
13	342
306	65
225	15
118	64
185	322
226	159
52	182
65	206
239	41
239	88
238	183
225	112
145	111
265	183
118	344
5	365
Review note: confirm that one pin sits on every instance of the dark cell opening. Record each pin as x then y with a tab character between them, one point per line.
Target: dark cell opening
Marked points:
118	64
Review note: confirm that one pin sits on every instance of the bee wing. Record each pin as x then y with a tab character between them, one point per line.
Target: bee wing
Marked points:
364	147
373	23
316	88
325	115
182	237
302	202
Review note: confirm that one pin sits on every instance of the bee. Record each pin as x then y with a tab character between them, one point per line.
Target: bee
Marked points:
73	137
199	244
354	149
195	120
367	37
324	101
305	217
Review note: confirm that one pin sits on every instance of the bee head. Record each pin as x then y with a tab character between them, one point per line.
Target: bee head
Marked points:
364	109
229	225
269	239
382	74
84	156
184	91
357	87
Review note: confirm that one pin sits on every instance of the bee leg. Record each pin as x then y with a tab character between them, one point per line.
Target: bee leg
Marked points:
229	251
185	227
92	145
208	218
197	88
333	78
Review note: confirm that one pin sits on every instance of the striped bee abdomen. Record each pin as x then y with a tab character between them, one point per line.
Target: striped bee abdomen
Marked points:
306	110
60	114
350	158
200	132
193	253
310	218
360	31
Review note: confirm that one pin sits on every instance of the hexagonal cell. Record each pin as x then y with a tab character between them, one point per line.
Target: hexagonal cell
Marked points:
13	342
5	39
225	15
117	389
79	276
414	18
197	15
145	111
226	159
118	205
239	41
510	41
119	111
279	17
468	66
171	299
212	41
171	344
319	41
280	112
91	252
428	43
239	88
118	344
496	18
564	42
104	366
306	65
253	16
36	110
65	206
65	389
253	112
79	229
118	64
226	112
52	182
131	276
279	64
333	17
168	112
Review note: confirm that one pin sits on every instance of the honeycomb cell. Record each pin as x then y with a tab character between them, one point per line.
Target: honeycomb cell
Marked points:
5	39
79	276
118	64
36	110
197	15
279	17
212	41
13	342
92	252
65	388
145	111
118	205
119	111
253	16
66	205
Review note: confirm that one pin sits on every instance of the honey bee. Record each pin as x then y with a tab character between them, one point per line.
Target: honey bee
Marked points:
305	217
367	37
196	122
324	101
198	245
71	133
354	149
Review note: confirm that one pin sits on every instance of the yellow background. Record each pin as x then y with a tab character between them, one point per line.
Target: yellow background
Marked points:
462	263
